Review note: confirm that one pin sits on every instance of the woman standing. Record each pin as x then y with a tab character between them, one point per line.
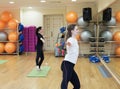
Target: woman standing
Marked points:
67	66
39	47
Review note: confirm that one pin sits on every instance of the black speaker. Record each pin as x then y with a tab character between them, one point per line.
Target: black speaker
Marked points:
107	14
87	15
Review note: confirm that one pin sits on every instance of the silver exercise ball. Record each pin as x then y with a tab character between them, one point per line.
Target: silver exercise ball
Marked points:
112	22
3	36
81	22
107	35
85	35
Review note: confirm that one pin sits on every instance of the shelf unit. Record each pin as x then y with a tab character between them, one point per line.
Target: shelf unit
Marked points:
111	45
96	46
6	30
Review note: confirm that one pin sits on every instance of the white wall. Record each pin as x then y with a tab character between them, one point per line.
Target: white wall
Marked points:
35	16
31	17
102	4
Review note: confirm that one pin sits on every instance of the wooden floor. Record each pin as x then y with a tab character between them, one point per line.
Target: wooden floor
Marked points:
13	74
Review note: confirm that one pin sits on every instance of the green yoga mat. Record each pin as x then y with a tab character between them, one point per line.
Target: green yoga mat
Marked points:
39	73
3	61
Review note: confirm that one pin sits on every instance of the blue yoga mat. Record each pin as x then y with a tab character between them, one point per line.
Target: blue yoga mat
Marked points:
104	71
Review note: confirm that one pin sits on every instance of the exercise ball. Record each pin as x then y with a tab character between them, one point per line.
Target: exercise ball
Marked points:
112	22
85	35
117	16
21	48
2	25
117	51
107	35
6	16
21	37
12	24
81	22
71	17
3	36
78	37
20	27
10	47
13	36
116	37
1	47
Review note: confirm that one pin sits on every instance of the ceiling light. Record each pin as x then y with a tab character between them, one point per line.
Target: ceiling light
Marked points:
74	0
42	0
30	7
11	2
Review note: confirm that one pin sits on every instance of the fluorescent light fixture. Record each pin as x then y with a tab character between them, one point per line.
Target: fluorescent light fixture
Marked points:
42	0
30	7
74	0
11	2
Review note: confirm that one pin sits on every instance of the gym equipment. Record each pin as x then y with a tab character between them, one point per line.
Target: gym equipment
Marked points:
3	36
104	71
2	47
21	37
71	17
116	37
59	47
6	16
10	47
13	36
107	13
20	27
94	59
106	58
85	35
3	61
56	51
2	25
112	22
87	15
110	71
21	48
92	39
117	16
42	73
62	29
117	50
106	34
81	22
12	24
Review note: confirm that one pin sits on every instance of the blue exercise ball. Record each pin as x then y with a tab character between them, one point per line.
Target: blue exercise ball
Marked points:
21	48
21	37
20	27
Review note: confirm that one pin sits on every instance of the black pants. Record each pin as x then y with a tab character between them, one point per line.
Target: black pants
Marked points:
69	74
39	58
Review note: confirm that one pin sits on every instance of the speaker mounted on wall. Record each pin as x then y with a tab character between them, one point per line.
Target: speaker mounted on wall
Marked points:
87	14
107	14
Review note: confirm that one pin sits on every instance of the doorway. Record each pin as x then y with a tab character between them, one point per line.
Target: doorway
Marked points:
52	24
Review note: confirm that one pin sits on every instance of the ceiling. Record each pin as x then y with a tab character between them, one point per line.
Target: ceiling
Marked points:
37	3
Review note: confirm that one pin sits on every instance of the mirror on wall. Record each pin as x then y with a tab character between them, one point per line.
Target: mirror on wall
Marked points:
109	29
